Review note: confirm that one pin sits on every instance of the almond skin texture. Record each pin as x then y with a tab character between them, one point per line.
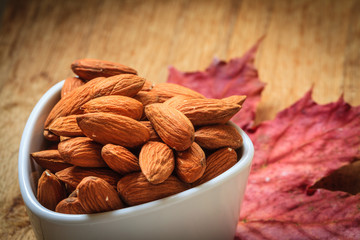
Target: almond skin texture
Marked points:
205	111
165	91
119	130
82	152
218	136
217	163
74	193
190	164
235	99
153	135
156	161
147	97
172	126
66	126
70	205
135	189
147	86
51	136
50	159
50	190
88	69
73	175
70	84
122	105
120	159
125	85
96	195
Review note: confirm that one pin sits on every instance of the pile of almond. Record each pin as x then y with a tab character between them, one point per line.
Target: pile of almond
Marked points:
115	140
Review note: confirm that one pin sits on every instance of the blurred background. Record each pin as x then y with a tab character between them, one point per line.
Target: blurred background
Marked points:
307	44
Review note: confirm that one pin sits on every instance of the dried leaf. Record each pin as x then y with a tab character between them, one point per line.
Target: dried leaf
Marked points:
303	144
222	79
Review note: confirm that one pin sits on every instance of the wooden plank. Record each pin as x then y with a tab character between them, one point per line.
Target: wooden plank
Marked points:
303	48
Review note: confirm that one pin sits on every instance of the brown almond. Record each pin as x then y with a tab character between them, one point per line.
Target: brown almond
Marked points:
147	86
156	161
190	164
50	159
88	69
50	190
119	130
166	91
217	163
63	138
96	195
51	136
66	126
73	175
172	126
235	99
153	135
74	193
70	205
135	189
205	111
218	136
147	97
82	152
125	106
70	84
120	159
176	101
125	85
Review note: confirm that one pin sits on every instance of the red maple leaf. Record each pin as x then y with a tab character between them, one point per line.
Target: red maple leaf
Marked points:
301	145
222	79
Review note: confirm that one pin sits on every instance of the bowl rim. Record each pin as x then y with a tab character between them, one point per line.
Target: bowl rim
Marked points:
36	208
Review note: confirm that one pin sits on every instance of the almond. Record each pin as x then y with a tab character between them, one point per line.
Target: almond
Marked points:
122	105
120	159
119	130
97	195
172	126
66	126
153	135
50	159
166	91
50	190
176	100
74	193
70	84
88	69
70	205
235	99
73	175
218	136
63	138
135	189
217	163
82	152
156	161
125	84
190	164
51	136
147	86
147	97
205	111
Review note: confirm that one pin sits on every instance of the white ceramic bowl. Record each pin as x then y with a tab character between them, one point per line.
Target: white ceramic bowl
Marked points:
209	211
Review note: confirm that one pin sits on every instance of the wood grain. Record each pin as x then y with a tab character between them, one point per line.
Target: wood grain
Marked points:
307	44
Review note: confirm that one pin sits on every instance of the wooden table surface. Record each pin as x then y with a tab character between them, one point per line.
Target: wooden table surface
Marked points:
307	44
